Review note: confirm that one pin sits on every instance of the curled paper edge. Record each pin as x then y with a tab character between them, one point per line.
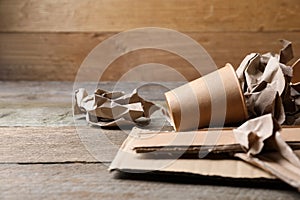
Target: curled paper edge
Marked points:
264	132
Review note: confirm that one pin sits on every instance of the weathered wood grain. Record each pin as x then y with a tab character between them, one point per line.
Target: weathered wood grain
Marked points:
58	56
50	103
47	40
55	160
56	93
53	135
36	114
30	92
53	144
119	15
59	144
92	181
26	144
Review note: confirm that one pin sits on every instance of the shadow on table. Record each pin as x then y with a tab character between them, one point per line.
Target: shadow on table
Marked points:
184	178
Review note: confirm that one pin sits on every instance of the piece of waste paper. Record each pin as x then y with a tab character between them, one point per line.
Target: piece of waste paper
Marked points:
128	160
272	98
113	109
266	82
263	133
194	142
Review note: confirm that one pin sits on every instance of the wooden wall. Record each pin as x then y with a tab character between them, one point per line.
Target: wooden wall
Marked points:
48	39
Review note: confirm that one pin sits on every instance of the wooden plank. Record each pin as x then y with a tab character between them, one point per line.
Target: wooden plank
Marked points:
52	93
50	103
119	15
52	135
92	181
37	114
36	93
57	56
52	144
63	162
50	162
58	144
44	55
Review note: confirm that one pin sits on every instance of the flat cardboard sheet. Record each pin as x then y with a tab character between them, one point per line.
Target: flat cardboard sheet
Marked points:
213	139
129	161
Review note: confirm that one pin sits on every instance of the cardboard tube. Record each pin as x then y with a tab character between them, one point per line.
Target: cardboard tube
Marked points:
212	100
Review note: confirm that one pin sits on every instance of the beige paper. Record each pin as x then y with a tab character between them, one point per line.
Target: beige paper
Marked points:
129	161
110	109
194	141
263	133
293	116
286	53
296	71
211	100
265	80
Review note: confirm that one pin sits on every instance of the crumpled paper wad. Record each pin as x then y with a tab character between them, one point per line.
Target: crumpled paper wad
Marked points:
266	82
113	109
272	99
263	133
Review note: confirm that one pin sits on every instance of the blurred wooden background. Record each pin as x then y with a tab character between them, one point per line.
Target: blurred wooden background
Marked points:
48	39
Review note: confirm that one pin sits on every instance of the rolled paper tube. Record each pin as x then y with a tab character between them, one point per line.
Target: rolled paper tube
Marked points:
212	100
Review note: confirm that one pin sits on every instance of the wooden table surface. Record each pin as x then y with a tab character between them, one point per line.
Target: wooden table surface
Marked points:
45	156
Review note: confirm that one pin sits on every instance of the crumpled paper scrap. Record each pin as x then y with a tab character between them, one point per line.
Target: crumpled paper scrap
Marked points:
113	109
263	133
296	71
266	83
